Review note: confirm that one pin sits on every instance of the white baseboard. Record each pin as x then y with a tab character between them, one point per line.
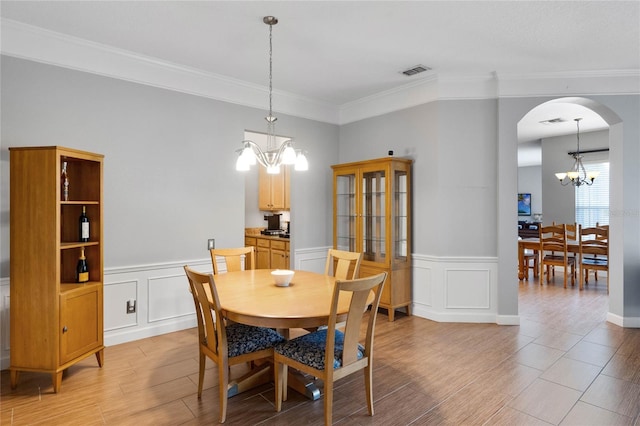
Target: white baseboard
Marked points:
626	322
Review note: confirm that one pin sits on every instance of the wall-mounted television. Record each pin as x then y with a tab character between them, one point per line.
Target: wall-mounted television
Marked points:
524	204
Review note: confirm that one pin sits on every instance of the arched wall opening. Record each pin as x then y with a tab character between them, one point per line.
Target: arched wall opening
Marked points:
511	112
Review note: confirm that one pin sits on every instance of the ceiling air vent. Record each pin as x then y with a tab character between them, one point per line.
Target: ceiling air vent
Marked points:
552	121
415	70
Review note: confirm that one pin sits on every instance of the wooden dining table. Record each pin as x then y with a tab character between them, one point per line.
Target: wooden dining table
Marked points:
251	297
573	246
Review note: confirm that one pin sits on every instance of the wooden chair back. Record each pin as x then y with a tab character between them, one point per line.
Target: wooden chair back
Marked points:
211	327
344	264
553	252
214	343
594	252
353	359
233	258
360	289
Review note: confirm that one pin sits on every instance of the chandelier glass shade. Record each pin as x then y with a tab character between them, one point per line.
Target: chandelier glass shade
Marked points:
577	176
274	156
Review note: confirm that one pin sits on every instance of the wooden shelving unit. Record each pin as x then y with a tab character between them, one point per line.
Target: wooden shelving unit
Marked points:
55	322
372	215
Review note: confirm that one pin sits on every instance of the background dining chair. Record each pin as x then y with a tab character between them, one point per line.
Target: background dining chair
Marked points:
571	235
530	262
344	265
331	354
594	253
233	258
595	272
226	345
553	252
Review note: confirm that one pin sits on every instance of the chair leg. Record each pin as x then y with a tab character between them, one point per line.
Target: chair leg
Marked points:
328	402
368	385
277	368
203	361
223	386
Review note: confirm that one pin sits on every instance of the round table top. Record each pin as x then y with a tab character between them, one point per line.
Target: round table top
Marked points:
251	297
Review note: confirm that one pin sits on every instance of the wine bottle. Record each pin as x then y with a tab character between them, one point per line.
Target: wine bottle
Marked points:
64	179
84	225
82	270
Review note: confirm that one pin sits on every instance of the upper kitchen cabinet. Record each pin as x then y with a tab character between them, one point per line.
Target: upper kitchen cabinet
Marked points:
273	190
371	214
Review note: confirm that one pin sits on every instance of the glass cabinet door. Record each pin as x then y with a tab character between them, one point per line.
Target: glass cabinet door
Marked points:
401	216
373	216
346	213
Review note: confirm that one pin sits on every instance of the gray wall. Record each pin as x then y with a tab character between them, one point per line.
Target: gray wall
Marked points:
170	179
165	149
453	145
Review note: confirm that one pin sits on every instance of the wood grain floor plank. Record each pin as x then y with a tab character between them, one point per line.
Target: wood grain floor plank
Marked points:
424	373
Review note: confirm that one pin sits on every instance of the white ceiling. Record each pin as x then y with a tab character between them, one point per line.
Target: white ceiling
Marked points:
339	52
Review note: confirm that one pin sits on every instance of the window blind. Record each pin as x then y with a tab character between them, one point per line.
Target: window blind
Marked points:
592	202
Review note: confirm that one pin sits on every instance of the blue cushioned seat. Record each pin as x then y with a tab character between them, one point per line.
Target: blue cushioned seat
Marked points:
243	339
310	349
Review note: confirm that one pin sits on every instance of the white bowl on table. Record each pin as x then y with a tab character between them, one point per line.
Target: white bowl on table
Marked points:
282	277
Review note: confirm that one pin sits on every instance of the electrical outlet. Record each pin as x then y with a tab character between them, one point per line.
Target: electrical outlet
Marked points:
131	306
211	243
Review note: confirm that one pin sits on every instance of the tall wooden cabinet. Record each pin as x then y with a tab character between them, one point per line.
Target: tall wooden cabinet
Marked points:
55	322
372	215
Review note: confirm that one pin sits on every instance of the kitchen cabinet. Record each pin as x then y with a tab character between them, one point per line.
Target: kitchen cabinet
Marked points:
271	252
263	253
55	322
371	214
273	190
279	257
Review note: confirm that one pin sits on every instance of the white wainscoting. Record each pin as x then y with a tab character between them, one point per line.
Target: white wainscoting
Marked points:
447	289
455	289
163	301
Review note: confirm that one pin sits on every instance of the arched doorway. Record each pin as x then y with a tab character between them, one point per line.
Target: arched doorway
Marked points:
511	112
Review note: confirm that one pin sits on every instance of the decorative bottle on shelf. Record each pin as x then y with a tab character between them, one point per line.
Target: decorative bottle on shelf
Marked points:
82	270
64	180
84	225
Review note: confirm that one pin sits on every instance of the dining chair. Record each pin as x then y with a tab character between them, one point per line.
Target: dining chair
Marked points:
594	253
330	354
530	262
595	272
344	265
226	345
233	258
572	235
553	252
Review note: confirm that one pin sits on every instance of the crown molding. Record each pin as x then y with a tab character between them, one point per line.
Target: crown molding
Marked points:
37	44
429	89
578	83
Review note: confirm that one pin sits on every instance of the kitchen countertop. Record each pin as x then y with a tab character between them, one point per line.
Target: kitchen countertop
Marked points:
268	237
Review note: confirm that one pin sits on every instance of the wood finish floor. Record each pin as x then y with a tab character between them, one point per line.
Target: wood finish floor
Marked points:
563	365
